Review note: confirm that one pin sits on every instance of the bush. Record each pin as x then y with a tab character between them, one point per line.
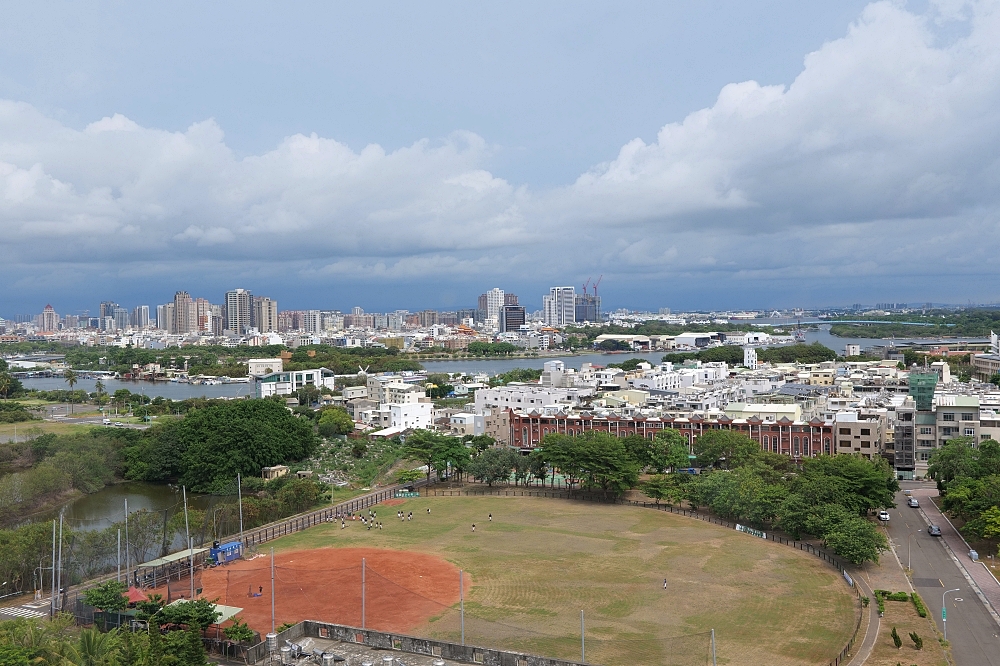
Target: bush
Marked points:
919	604
896	640
918	642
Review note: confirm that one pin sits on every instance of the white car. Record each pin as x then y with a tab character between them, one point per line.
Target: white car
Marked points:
883	516
913	502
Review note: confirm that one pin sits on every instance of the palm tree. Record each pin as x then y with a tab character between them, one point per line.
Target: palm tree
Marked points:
5	384
71	379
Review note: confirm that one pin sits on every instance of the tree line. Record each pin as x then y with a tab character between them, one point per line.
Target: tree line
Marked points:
968	479
828	497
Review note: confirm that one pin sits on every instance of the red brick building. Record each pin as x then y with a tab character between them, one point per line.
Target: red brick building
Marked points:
793	438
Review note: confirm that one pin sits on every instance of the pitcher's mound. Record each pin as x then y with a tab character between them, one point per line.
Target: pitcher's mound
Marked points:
402	588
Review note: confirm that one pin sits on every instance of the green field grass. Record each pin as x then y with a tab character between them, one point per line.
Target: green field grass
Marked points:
541	561
33	428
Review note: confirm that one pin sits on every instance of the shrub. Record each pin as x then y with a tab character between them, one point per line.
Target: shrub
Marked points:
919	604
896	640
917	640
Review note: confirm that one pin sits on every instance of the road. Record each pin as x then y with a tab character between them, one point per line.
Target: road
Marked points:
972	632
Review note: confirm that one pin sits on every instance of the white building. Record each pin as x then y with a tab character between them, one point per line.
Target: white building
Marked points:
411	415
526	396
287	383
258	367
750	358
559	306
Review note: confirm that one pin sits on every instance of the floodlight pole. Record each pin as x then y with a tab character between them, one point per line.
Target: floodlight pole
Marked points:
191	559
239	497
59	574
362	593
583	640
119	556
713	648
272	590
127	556
461	601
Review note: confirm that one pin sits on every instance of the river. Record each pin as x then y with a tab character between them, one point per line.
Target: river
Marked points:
181	391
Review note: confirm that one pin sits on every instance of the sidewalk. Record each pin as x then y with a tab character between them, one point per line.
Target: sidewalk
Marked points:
988	589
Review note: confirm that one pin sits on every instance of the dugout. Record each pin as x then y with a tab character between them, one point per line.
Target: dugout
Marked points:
226	552
171	567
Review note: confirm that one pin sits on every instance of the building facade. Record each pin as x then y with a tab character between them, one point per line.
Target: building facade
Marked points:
559	306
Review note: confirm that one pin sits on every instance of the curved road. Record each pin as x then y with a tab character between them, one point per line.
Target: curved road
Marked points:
973	633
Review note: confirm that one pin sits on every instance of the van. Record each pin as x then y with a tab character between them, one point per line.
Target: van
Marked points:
106	422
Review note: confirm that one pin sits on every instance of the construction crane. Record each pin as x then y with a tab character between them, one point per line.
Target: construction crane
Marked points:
585	286
597	283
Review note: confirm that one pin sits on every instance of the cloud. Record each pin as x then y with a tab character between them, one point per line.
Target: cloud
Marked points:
880	155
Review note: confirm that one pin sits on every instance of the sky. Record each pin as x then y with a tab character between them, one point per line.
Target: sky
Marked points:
695	154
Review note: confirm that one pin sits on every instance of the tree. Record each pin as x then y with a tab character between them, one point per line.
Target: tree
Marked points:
896	640
956	458
493	465
71	378
109	597
199	613
855	539
335	421
6	381
420	446
724	449
239	632
918	642
664	487
95	649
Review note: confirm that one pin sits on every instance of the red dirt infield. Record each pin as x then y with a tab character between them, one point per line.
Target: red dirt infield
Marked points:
402	588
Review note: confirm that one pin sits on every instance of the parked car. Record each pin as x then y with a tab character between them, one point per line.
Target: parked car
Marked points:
934	530
912	502
106	421
883	515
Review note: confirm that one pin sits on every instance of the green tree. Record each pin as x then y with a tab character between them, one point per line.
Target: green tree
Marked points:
109	596
724	449
239	632
664	487
896	640
956	458
493	465
71	378
335	421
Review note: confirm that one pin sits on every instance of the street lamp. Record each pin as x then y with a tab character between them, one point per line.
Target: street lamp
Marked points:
944	611
912	534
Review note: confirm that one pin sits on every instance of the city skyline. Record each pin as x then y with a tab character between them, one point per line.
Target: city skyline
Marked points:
756	156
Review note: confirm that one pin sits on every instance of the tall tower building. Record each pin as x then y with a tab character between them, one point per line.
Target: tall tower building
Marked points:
185	314
121	318
588	308
108	309
559	306
239	311
140	317
48	321
512	317
265	314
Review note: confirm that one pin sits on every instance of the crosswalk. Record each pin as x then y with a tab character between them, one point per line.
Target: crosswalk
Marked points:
22	611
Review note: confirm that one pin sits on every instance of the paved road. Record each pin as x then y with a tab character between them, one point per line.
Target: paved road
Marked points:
972	631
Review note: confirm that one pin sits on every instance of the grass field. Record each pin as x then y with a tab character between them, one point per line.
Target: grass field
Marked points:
32	428
541	561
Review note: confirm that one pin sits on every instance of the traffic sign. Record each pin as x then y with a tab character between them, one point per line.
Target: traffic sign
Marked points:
944	613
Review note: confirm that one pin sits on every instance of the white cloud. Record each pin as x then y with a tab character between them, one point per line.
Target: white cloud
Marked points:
882	148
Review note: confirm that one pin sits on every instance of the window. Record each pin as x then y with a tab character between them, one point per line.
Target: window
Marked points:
985	437
925	430
925	455
845	431
945	432
948	416
845	442
970	432
866	431
968	416
866	445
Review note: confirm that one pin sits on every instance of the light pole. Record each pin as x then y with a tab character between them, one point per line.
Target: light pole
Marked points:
912	534
944	612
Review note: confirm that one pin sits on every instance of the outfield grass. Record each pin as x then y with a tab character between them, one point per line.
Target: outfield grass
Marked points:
541	561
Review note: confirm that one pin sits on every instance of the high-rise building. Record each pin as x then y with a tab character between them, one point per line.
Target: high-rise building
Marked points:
588	308
108	309
121	318
428	317
311	321
357	310
48	321
265	314
140	317
510	299
71	321
559	306
239	311
286	321
512	317
162	318
184	315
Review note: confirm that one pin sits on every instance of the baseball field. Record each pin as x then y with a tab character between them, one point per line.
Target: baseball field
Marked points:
651	585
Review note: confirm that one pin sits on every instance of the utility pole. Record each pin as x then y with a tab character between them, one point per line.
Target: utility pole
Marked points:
362	593
583	640
191	558
713	648
119	556
461	601
128	561
52	605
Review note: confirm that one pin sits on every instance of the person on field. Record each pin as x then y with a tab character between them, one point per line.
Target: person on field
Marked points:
491	517
473	527
664	583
